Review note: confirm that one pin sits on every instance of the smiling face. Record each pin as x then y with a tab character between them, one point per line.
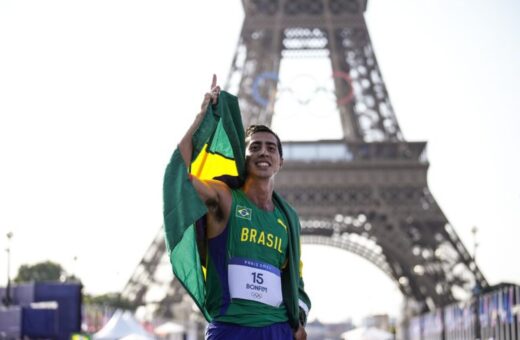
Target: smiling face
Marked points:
263	159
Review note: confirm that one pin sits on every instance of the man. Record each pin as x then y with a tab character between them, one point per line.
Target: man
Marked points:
252	289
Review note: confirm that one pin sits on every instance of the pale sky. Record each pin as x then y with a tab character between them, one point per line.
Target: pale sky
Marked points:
94	96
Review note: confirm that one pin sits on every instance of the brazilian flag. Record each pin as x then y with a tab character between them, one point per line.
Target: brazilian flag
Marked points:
218	153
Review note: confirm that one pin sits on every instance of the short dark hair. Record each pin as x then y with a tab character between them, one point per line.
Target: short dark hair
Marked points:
252	129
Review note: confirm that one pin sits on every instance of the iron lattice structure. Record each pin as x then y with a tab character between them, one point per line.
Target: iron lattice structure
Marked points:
366	193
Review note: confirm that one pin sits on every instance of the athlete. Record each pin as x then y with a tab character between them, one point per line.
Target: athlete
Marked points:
247	237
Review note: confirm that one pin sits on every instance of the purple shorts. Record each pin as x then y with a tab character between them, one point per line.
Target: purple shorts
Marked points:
229	331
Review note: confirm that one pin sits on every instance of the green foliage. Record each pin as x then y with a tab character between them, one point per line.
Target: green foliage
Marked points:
114	300
43	271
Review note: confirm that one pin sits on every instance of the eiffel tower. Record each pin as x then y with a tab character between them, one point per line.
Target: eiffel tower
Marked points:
367	192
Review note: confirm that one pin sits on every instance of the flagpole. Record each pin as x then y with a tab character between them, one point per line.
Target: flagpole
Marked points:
7	298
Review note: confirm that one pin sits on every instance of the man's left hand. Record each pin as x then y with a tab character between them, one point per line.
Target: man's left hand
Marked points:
300	333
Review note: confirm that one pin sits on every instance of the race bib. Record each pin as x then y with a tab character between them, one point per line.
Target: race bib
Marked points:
254	280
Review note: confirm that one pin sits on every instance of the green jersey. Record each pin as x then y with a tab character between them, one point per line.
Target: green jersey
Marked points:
244	265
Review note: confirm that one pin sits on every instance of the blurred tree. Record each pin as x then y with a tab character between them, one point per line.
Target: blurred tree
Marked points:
43	271
113	300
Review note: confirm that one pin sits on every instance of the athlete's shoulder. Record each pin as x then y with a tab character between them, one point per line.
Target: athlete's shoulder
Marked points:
223	193
219	186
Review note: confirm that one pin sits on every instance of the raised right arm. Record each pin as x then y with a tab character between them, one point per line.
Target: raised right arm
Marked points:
215	194
186	144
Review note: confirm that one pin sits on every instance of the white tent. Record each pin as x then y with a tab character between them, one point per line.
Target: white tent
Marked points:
121	324
169	328
136	337
367	333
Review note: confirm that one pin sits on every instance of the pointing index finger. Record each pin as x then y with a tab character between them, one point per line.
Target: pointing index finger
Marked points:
214	81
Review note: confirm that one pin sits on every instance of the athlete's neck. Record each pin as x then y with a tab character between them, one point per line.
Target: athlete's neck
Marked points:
260	192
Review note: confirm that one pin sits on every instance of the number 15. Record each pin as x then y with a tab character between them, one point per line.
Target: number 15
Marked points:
258	278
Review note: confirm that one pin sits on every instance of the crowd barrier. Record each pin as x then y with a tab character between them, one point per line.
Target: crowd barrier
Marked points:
491	315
